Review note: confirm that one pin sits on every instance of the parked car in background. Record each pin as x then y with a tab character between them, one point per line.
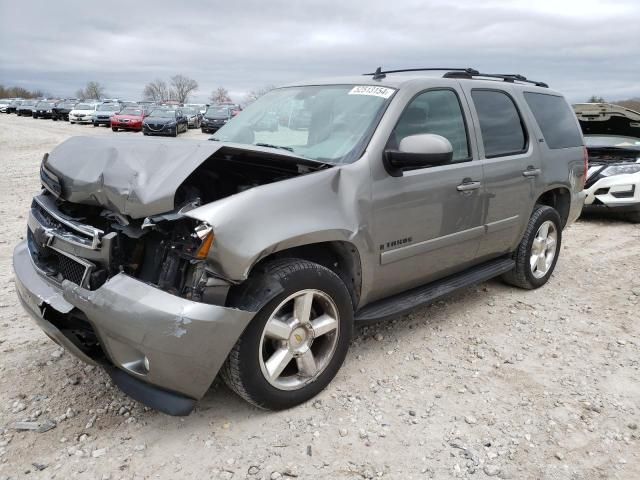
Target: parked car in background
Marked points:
146	103
165	121
26	108
214	118
257	255
612	135
104	112
13	106
200	107
129	118
4	104
82	112
194	117
235	108
60	110
43	109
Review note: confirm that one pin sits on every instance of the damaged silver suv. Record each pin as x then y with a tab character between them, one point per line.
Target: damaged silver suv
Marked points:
321	205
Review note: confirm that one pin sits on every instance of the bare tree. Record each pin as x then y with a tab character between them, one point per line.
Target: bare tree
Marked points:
253	95
220	95
156	91
93	91
182	87
80	95
20	92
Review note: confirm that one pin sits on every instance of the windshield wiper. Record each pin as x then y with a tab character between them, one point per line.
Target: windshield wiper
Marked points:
268	145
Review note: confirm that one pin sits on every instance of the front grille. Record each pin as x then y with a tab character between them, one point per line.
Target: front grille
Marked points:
55	264
69	268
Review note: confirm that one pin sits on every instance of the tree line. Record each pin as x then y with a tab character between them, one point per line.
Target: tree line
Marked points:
632	104
178	88
19	92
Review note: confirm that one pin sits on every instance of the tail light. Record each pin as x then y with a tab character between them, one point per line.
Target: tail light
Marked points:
586	165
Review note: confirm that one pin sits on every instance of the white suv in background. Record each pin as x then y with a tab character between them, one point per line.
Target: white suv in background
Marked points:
612	135
83	112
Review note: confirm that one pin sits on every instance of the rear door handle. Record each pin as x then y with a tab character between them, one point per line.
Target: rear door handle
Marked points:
531	172
467	186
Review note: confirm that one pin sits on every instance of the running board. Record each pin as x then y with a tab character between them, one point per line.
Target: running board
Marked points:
404	302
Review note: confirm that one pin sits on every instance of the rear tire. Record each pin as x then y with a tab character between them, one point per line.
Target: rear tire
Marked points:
276	367
537	253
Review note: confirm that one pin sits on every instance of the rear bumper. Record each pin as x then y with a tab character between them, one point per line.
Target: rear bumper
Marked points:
617	208
575	209
158	342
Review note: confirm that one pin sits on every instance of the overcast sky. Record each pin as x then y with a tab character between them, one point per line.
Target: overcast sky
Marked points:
580	47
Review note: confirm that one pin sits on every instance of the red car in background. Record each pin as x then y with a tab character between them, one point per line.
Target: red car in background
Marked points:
130	118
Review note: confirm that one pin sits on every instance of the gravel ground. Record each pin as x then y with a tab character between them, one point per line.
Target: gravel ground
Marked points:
492	382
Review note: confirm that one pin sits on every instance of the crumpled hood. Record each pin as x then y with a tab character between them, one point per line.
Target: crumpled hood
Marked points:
137	177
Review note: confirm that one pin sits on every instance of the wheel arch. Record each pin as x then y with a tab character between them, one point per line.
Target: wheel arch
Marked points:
339	256
558	197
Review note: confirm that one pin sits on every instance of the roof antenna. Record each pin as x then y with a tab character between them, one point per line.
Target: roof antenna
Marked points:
378	75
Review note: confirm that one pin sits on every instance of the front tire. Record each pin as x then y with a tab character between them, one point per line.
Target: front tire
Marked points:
114	129
297	341
537	253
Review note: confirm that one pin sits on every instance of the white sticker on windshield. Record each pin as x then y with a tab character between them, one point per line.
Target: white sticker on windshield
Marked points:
374	91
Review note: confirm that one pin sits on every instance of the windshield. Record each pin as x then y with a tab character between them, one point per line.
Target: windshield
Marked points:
66	105
611	141
131	111
161	113
217	112
84	106
328	123
109	107
28	103
189	111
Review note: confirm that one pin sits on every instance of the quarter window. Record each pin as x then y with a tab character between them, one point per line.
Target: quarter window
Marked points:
500	123
437	112
556	120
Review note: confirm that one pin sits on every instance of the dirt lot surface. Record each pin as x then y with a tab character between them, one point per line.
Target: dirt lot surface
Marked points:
493	382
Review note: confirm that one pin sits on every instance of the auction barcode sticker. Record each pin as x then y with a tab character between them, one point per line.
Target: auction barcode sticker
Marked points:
374	91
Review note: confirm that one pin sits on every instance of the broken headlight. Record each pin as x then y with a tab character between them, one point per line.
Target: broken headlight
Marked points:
621	169
204	233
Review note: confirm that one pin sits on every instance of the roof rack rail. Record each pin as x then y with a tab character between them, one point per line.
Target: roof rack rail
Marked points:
379	73
469	73
506	77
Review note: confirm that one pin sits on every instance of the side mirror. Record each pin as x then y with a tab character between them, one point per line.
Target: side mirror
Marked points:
418	151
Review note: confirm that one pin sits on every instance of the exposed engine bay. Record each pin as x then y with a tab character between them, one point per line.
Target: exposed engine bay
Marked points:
88	243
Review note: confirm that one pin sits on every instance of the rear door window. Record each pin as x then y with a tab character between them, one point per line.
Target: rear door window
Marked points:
555	119
501	126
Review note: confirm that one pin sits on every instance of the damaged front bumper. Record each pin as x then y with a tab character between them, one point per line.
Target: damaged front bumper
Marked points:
166	350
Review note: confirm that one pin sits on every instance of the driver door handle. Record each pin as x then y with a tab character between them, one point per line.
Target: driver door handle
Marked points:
531	172
467	186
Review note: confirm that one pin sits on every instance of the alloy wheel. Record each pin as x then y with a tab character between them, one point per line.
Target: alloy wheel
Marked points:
299	339
543	249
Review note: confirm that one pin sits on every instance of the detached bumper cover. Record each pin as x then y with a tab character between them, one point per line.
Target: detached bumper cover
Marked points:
619	193
185	343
